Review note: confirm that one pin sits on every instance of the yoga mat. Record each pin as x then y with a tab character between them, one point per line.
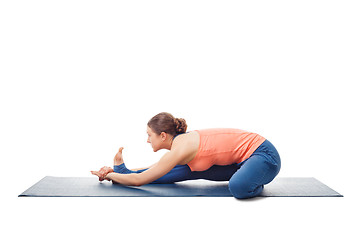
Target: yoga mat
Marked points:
91	187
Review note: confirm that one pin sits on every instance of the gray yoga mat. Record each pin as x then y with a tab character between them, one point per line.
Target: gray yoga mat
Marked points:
91	187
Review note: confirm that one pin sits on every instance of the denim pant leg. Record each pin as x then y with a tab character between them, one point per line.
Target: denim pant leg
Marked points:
183	172
177	174
259	169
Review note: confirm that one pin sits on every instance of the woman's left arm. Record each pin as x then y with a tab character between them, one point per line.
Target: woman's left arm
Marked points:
159	169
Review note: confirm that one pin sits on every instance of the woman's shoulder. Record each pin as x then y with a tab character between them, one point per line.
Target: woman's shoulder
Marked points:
187	136
187	139
187	145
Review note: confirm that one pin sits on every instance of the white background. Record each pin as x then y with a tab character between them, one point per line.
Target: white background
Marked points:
79	79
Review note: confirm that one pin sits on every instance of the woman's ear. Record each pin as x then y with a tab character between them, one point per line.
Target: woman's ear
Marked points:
163	136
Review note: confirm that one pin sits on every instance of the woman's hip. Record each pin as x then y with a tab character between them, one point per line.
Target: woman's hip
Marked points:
269	152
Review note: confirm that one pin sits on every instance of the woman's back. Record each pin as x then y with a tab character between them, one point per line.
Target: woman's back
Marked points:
219	146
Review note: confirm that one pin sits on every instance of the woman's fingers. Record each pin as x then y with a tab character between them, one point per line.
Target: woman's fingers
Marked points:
102	173
105	170
96	173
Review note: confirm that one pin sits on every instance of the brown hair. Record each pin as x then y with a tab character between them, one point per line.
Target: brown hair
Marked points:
165	122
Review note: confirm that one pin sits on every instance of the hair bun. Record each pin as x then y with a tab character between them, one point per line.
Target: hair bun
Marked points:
180	125
165	122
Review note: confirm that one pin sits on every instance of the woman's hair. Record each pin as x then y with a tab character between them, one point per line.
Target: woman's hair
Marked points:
165	122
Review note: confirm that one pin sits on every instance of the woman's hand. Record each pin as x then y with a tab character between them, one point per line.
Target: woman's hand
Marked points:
118	160
105	170
102	173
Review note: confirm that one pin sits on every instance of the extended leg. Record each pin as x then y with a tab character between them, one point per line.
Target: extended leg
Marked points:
177	174
183	172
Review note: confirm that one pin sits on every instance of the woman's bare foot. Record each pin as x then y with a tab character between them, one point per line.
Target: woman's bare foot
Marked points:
118	159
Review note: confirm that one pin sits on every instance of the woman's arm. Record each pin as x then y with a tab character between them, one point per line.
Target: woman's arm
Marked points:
124	179
159	169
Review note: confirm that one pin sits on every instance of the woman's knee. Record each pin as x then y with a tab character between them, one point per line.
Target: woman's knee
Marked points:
243	189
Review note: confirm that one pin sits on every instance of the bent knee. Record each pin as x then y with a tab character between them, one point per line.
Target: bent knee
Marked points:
243	190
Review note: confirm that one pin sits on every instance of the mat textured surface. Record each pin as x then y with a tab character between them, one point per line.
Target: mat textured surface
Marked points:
91	187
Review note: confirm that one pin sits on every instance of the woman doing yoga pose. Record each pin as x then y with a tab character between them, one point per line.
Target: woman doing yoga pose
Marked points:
247	160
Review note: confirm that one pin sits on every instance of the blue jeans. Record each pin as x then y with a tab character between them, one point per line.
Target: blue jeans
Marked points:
256	171
246	179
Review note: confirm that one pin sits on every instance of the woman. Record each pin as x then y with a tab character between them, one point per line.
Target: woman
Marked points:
247	160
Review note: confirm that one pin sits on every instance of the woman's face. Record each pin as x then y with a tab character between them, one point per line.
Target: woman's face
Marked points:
154	139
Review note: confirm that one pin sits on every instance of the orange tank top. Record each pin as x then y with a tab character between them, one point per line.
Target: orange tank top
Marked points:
224	147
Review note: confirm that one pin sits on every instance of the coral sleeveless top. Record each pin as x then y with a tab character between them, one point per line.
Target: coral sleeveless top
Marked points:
224	147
